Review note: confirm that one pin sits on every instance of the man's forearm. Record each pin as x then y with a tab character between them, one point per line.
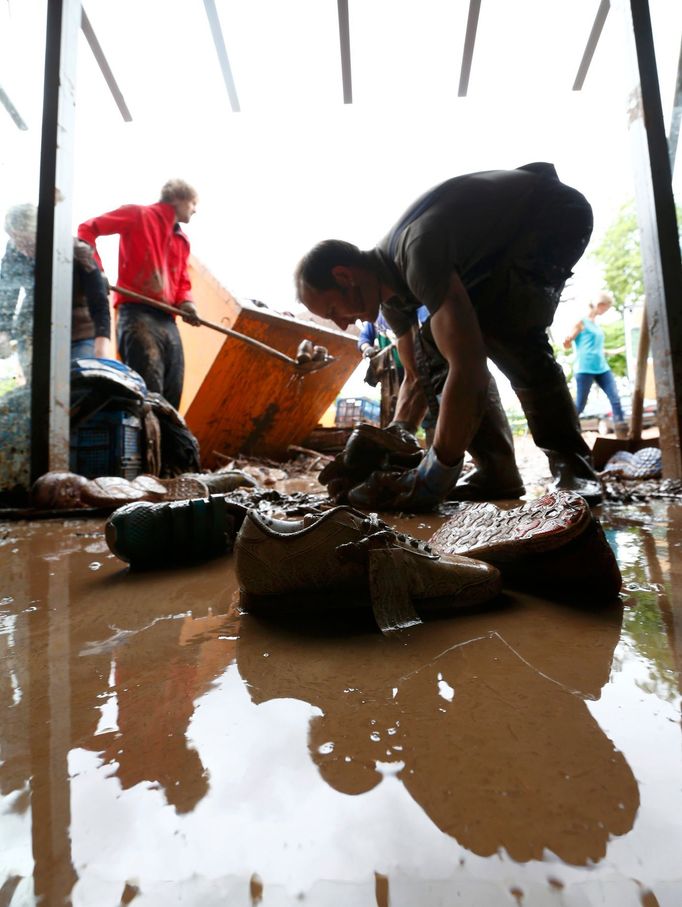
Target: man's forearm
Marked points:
411	406
461	410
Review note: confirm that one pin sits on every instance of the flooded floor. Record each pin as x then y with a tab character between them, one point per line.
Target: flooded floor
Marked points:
157	747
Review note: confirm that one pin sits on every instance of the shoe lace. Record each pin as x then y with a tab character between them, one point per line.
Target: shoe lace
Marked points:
376	528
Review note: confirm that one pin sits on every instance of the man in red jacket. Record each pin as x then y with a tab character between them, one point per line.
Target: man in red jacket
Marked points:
152	260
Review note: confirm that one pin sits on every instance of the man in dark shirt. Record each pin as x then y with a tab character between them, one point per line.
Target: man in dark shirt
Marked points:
488	254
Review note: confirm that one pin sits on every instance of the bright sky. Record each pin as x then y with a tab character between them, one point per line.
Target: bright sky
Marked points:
297	165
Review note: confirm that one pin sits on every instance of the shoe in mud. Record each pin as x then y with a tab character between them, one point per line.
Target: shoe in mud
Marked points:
348	552
554	544
372	446
224	482
170	533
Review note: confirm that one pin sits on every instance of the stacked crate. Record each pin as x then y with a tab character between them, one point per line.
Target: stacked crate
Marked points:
109	443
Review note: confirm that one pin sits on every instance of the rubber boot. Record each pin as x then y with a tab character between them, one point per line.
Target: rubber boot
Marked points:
496	477
554	424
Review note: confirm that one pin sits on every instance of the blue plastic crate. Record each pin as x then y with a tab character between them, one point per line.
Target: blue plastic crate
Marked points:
107	444
350	410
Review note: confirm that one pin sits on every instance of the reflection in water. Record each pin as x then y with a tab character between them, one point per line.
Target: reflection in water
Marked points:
647	544
482	719
132	758
143	653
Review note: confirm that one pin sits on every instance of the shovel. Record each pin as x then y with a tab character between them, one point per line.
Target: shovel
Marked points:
605	448
302	365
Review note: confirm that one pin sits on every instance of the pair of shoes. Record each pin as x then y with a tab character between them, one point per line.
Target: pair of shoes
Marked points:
172	533
348	552
369	449
553	544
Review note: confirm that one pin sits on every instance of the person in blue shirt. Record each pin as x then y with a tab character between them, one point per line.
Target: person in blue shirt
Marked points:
375	336
591	365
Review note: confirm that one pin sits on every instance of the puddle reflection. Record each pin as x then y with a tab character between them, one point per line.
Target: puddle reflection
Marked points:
483	722
156	744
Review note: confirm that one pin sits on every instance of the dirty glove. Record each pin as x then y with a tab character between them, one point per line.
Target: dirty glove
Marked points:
189	313
421	488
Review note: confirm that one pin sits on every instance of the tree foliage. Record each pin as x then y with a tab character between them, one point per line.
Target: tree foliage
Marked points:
619	254
614	339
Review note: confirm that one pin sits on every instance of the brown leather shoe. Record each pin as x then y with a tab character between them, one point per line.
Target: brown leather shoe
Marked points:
344	550
369	445
554	545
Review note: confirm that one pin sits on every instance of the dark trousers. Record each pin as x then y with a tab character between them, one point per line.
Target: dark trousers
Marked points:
149	342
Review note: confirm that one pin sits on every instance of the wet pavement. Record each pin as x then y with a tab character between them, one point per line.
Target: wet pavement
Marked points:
157	747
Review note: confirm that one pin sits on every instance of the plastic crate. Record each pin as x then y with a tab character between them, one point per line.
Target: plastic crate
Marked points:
107	444
350	410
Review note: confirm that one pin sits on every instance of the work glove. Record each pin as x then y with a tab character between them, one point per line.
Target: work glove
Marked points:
421	488
189	313
369	352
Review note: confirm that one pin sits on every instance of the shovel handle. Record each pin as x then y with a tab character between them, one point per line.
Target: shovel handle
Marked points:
174	310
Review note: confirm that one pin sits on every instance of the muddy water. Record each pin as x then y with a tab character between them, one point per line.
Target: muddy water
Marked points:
158	747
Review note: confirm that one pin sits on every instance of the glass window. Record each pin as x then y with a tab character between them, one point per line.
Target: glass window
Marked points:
22	41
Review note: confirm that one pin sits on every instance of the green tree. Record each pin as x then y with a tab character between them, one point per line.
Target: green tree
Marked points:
619	254
620	257
614	339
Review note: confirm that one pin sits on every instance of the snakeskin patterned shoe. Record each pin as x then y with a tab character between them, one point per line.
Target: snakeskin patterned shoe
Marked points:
346	551
554	544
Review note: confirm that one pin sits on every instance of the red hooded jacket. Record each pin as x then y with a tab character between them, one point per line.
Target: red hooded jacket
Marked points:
152	251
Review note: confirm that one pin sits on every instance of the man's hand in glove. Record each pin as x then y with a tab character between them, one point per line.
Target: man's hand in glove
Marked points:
422	488
189	313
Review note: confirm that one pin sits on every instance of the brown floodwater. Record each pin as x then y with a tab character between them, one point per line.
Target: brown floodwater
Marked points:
158	747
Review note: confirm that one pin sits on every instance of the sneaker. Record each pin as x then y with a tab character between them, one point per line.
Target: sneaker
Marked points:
553	544
346	551
176	532
646	463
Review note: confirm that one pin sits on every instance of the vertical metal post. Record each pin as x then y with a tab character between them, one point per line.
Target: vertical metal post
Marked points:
54	245
344	41
658	231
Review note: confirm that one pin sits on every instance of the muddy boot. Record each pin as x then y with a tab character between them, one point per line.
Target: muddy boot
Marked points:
555	427
496	476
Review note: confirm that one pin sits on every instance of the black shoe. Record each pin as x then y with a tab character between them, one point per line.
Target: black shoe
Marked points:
372	446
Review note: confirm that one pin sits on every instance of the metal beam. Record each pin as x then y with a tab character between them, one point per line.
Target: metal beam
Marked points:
591	46
11	109
54	245
103	64
676	114
659	238
219	41
344	41
469	42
